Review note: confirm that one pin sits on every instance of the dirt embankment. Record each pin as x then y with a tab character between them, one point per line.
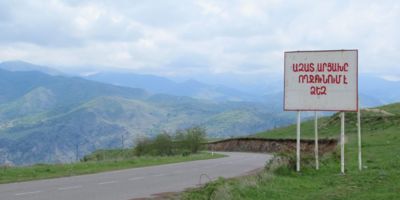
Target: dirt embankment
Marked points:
271	145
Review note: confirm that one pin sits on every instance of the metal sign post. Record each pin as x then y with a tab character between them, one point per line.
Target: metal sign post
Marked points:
298	143
342	143
359	139
316	141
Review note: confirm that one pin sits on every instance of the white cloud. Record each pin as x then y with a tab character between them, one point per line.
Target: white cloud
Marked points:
391	78
245	37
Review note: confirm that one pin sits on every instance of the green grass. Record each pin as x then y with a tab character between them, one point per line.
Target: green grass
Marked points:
110	155
45	171
379	179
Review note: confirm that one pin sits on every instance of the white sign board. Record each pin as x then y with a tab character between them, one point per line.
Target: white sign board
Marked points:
321	80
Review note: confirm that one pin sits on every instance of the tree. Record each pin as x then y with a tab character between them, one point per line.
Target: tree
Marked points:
179	141
194	138
163	145
142	146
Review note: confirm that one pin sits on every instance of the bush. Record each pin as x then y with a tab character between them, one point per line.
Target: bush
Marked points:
194	139
162	145
184	142
143	146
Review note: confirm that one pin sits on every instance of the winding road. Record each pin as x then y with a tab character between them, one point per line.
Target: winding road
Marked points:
137	182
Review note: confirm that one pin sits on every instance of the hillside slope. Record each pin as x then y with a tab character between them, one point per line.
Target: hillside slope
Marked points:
50	119
379	178
372	118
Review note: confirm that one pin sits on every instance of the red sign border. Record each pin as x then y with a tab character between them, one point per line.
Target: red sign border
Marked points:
284	82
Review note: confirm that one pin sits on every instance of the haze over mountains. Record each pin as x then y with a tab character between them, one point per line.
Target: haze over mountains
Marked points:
46	116
190	88
373	90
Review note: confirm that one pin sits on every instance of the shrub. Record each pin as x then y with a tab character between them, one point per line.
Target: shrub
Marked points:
184	142
162	145
143	146
194	138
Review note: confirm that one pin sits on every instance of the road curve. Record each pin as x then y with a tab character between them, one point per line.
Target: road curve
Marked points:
136	182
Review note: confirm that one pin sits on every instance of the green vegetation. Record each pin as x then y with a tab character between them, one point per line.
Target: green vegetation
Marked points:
379	179
109	155
45	119
108	160
162	149
184	142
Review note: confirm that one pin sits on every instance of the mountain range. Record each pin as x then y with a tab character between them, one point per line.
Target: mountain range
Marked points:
47	116
161	85
49	119
373	90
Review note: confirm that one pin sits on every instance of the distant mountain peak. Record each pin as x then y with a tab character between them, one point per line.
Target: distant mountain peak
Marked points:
19	65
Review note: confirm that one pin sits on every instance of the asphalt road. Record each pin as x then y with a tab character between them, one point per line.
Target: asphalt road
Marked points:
137	182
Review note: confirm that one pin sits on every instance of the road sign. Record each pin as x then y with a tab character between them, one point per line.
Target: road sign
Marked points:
321	80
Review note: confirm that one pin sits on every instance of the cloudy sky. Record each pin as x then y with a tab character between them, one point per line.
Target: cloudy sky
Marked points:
192	38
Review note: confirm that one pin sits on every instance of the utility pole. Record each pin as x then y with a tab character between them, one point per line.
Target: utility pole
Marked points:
122	146
122	142
77	152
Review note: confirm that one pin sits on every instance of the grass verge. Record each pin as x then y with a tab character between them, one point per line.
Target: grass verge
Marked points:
379	179
45	171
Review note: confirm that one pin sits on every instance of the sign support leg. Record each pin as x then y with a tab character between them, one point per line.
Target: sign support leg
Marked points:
342	143
359	139
298	142
316	141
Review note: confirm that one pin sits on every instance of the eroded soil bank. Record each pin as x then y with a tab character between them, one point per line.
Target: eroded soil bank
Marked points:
271	145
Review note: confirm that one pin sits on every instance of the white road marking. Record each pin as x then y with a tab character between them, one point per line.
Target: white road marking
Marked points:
26	193
136	178
107	182
70	187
